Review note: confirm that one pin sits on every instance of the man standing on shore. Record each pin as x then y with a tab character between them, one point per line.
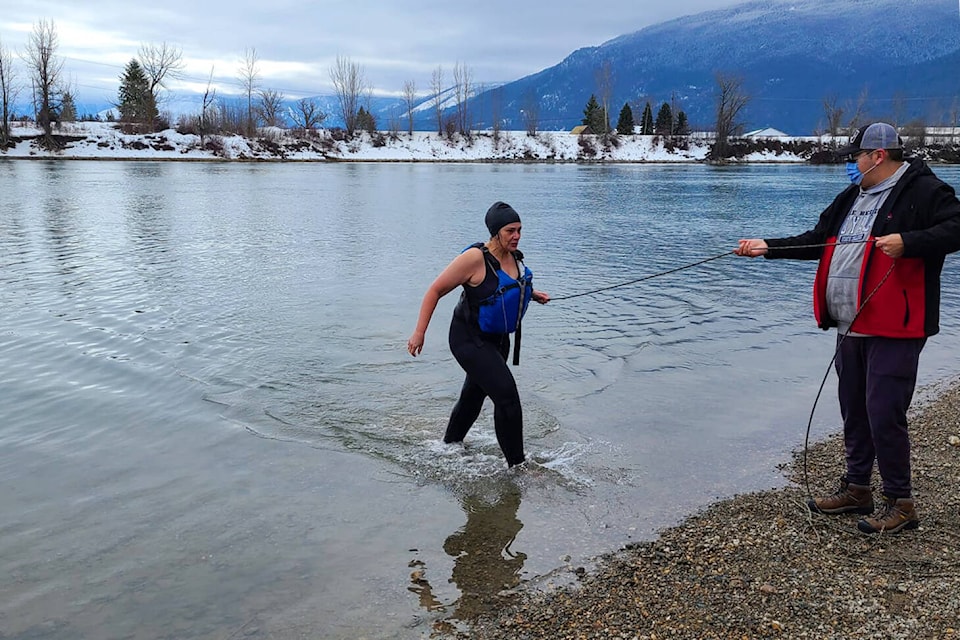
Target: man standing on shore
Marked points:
881	246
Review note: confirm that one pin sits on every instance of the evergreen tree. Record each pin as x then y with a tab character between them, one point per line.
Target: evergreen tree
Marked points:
366	121
136	103
625	123
593	116
68	109
664	125
681	127
646	123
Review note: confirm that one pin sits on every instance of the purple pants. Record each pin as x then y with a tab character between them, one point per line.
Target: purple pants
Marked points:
877	380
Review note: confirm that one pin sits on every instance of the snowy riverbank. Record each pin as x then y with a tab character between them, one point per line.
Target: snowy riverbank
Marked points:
104	140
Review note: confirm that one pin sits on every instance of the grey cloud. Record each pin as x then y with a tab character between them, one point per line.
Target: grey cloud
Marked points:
499	40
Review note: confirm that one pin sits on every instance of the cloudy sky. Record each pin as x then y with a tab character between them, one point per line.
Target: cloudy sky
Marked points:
297	42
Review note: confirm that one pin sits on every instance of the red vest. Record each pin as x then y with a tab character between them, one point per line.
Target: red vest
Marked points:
894	309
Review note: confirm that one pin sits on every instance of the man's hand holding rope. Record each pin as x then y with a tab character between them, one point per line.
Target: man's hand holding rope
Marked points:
891	245
751	248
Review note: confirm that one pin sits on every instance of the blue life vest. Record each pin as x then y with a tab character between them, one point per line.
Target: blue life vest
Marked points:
496	306
502	311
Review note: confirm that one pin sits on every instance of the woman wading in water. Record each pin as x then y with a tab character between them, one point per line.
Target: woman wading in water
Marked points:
497	287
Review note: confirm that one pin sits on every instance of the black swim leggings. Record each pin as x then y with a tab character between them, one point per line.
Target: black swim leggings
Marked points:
485	361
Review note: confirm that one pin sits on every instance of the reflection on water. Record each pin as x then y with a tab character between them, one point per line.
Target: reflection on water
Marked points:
485	563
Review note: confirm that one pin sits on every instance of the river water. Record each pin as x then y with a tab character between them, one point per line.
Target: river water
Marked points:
210	427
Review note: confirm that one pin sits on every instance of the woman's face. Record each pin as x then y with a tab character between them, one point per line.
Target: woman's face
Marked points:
509	236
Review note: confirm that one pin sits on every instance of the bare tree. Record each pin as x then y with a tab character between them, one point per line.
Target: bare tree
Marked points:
936	114
270	108
209	99
858	110
496	111
409	99
393	125
348	84
8	94
249	76
604	79
367	100
916	133
461	90
954	118
308	114
161	62
45	67
731	99
436	85
833	113
530	112
899	108
231	117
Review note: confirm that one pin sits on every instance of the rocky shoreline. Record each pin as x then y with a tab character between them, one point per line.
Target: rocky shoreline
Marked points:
762	566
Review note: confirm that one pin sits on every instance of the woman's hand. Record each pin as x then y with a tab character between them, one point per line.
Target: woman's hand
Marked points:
468	265
415	343
541	297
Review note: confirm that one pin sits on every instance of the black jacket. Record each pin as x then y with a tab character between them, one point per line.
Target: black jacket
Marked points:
925	211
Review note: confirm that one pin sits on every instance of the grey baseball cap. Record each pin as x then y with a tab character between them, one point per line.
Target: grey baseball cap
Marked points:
878	135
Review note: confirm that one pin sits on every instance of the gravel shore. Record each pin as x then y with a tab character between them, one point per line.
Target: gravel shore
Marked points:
761	565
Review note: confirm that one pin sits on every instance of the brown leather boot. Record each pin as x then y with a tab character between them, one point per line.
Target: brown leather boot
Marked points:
895	514
855	498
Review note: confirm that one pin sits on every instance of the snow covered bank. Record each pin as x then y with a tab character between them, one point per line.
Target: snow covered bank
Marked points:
103	140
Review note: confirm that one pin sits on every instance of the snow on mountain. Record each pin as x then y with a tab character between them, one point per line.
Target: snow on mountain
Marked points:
900	54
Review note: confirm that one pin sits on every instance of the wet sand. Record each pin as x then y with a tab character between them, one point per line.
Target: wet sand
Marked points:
761	565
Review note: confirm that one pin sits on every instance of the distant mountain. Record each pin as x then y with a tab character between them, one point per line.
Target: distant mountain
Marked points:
904	55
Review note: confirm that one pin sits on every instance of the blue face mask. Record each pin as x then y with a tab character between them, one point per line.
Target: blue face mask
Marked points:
853	172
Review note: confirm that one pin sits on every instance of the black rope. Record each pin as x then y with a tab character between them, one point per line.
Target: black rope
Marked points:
826	374
649	277
696	264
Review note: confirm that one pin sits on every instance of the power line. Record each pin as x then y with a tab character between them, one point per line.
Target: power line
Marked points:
894	99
